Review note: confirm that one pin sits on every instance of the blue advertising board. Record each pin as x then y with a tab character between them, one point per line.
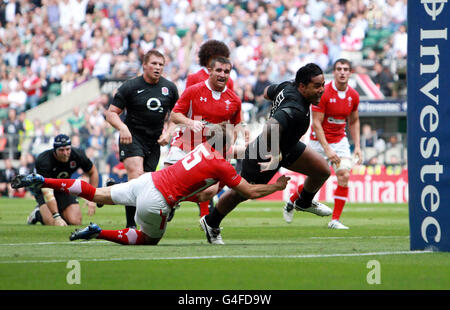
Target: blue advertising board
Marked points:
428	119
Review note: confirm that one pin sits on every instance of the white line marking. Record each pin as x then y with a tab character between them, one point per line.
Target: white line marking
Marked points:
108	242
50	243
217	257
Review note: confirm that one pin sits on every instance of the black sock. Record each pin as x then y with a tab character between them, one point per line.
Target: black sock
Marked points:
211	205
305	199
129	213
214	218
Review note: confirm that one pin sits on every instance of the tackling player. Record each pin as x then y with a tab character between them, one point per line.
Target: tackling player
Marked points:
155	193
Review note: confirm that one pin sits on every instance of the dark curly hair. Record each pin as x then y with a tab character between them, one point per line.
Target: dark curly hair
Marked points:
211	49
306	73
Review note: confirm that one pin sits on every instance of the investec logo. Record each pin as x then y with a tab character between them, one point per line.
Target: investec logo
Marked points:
431	169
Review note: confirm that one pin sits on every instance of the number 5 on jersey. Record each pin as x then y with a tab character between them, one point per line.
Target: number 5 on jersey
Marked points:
194	157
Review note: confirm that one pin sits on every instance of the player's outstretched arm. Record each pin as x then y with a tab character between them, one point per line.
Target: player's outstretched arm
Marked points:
254	191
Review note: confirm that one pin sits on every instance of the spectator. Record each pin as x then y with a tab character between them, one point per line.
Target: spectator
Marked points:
78	30
30	161
17	99
103	64
11	10
9	173
72	57
96	141
32	85
53	13
12	55
68	81
76	120
24	58
168	11
258	90
23	165
114	168
115	41
281	74
57	67
400	42
383	79
12	128
393	142
247	97
38	61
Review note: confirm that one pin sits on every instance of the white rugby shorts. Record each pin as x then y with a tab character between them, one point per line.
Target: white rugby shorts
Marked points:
342	148
151	207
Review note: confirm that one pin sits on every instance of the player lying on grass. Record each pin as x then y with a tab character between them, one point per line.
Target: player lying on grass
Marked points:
155	193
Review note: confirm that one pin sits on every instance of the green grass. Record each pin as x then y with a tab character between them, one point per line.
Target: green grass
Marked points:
262	252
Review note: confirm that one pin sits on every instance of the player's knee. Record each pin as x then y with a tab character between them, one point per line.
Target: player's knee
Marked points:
346	164
72	215
74	220
323	172
343	176
207	194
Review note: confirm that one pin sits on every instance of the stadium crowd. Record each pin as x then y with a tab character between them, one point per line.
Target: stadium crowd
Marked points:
49	47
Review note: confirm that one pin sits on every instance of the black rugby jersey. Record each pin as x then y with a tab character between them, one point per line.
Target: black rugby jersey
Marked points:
291	110
146	104
47	165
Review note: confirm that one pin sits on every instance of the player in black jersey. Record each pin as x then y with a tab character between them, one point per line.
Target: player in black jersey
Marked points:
148	100
57	208
278	146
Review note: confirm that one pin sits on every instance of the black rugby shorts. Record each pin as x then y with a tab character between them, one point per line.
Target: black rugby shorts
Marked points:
251	170
150	151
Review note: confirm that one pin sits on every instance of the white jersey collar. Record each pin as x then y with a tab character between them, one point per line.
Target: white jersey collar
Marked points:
216	94
341	93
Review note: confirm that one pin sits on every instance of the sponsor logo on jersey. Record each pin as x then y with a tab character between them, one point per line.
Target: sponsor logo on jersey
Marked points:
336	121
278	100
153	104
203	99
140	91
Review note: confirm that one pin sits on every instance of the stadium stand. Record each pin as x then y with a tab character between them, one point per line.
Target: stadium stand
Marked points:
53	52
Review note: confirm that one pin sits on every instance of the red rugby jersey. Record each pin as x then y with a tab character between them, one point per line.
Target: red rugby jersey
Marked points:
199	102
336	106
199	169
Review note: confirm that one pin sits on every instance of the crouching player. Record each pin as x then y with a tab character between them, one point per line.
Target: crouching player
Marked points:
155	193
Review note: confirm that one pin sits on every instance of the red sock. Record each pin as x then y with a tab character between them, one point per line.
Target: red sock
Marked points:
72	186
296	194
204	208
340	198
123	236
